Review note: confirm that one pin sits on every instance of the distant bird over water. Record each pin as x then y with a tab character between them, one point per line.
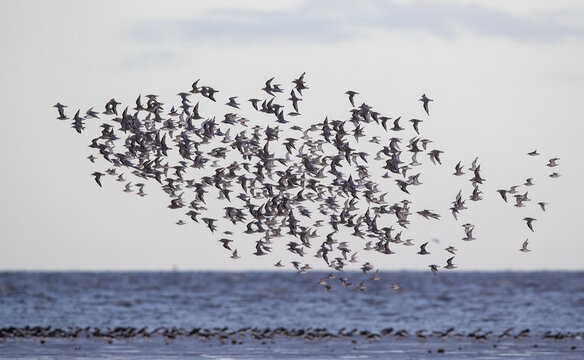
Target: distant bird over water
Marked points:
434	269
449	264
423	250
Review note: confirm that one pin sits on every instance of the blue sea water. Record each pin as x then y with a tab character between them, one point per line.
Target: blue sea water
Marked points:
493	301
466	301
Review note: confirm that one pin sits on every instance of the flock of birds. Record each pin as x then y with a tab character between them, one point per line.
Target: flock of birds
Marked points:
303	191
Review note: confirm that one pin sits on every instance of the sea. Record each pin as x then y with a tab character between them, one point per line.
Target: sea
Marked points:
289	315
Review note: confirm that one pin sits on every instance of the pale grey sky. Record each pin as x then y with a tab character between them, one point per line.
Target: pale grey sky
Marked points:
506	79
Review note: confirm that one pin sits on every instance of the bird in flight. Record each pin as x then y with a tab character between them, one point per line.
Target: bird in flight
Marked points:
271	179
529	221
426	101
352	94
524	246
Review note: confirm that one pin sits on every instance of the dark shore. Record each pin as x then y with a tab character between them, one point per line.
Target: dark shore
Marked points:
282	343
261	334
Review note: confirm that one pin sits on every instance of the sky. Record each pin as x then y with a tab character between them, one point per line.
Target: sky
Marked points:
506	78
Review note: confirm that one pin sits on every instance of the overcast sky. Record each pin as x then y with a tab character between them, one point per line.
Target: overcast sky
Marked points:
506	78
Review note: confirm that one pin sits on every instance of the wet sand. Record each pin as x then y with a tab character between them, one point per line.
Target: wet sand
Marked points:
248	343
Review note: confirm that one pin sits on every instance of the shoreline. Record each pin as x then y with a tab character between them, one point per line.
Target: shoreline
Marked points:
256	345
255	333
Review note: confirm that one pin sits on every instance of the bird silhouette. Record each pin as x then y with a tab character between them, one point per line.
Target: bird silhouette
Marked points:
274	174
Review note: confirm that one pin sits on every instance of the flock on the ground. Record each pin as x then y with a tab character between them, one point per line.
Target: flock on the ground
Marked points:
239	336
314	189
